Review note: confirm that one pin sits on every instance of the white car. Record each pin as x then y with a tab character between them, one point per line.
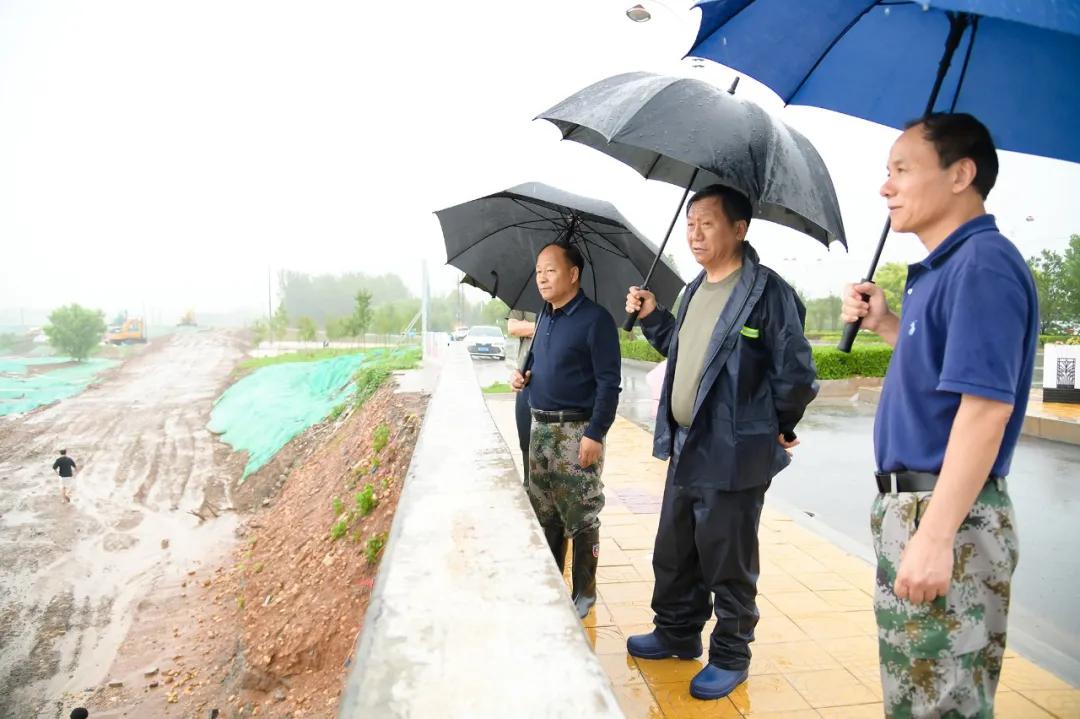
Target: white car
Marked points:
486	341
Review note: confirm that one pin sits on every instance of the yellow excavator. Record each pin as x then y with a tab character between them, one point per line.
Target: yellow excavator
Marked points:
131	331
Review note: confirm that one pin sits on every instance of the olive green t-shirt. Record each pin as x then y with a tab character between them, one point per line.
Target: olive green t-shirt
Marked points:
701	316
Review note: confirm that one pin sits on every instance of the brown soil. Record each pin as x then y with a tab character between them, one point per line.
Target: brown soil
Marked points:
269	632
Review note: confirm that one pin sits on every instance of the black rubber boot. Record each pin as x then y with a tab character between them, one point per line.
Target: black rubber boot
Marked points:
556	539
586	556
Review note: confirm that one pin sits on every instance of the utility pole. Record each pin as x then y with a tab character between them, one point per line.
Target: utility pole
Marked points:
424	299
269	309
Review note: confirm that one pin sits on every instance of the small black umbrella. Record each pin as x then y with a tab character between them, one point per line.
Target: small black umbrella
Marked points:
692	134
495	240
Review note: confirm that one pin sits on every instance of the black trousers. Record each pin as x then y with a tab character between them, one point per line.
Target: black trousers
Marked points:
707	543
524	426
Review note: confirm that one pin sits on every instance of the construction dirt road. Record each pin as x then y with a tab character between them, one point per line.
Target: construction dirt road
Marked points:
150	504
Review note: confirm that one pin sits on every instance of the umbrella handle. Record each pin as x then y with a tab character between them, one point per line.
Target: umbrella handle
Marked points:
631	318
852	329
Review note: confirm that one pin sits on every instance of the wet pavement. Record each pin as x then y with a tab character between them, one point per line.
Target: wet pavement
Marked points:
828	488
815	653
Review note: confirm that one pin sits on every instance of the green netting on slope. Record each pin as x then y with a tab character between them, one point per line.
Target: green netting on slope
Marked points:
263	411
24	387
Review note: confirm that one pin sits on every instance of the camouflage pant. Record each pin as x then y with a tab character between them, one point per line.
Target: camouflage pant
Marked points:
942	660
561	492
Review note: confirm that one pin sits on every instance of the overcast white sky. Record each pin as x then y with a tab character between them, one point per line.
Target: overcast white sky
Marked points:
165	154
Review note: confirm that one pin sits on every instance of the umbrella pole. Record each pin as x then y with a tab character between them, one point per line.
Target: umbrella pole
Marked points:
958	23
631	319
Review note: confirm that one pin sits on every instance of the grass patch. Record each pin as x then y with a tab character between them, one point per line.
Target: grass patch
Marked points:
370	377
639	350
497	388
869	360
366	500
1059	340
340	527
863	337
374	547
338	506
380	437
254	363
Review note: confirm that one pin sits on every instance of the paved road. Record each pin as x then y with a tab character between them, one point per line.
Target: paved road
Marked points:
828	488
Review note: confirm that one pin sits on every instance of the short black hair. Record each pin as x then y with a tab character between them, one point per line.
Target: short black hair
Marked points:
63	451
956	135
80	713
736	205
572	253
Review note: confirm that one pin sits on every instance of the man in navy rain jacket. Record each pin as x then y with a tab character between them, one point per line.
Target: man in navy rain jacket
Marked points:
740	374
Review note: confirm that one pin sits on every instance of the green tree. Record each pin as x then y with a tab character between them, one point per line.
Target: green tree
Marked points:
390	318
1048	270
823	313
259	332
1070	278
322	296
336	328
494	312
360	319
891	278
279	323
75	330
306	326
1057	280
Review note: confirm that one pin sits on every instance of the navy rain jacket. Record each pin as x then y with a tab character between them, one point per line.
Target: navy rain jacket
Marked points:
758	378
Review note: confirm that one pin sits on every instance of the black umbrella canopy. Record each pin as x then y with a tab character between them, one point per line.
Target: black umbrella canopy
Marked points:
692	134
496	239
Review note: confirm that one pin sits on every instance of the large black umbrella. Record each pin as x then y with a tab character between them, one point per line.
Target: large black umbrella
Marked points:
495	240
692	134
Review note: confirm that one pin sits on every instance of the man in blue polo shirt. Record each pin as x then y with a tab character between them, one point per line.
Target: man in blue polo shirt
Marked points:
949	418
573	379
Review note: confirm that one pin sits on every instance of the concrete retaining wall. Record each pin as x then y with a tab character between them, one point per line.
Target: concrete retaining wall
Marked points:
469	616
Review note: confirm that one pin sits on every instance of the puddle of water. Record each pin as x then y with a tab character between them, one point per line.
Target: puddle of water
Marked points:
17	518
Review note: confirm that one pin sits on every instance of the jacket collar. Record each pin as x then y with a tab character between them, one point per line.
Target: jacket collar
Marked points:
750	263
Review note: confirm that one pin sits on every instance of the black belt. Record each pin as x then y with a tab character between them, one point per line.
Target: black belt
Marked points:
554	416
893	482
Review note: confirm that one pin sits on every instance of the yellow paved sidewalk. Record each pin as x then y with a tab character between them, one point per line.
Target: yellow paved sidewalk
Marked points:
816	648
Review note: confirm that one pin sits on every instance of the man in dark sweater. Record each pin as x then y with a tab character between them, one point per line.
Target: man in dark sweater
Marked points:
573	378
65	467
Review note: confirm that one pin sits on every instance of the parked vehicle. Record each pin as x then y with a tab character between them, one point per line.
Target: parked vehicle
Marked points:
486	341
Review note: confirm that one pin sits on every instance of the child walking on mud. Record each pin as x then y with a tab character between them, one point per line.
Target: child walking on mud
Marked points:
65	467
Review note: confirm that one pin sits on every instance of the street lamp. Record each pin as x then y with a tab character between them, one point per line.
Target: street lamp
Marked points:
639	14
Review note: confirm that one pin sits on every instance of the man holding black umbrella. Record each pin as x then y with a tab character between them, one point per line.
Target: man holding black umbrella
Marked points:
573	379
949	418
740	374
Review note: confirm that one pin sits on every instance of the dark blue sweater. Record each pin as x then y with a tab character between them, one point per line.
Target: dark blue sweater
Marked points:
576	363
